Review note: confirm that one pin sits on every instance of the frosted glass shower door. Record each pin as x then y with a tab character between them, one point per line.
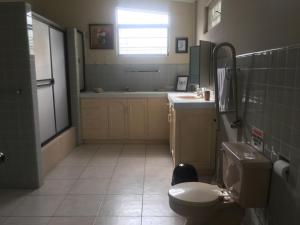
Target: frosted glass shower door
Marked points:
59	75
46	112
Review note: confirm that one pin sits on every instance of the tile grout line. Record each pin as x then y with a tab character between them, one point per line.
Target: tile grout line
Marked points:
143	192
109	183
68	192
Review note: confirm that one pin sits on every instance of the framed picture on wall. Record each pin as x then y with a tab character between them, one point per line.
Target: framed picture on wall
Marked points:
182	45
182	83
101	36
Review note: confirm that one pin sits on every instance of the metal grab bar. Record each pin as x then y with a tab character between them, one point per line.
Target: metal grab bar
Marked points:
237	122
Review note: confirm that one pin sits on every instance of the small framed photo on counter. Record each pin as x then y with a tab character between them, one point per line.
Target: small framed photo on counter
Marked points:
182	45
182	83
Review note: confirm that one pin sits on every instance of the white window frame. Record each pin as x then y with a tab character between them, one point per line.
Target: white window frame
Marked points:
212	13
167	26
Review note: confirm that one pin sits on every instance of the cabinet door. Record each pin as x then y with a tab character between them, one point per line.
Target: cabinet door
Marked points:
41	47
196	133
137	117
117	109
59	76
158	127
94	119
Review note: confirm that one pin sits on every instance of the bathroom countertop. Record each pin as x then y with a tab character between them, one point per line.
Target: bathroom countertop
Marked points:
188	100
117	94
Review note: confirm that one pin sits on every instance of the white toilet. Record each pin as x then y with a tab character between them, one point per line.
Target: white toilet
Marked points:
246	175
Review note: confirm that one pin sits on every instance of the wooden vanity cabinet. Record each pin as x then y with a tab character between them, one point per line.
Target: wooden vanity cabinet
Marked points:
94	119
193	138
124	120
117	118
158	128
137	118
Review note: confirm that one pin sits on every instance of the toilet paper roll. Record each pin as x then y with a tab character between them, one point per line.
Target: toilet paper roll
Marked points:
281	168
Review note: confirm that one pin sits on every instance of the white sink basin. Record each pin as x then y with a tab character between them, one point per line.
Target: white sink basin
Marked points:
189	97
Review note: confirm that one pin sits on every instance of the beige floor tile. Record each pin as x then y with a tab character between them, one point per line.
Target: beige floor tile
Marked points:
27	221
88	147
156	185
9	201
93	172
65	172
122	205
129	170
108	153
132	159
157	205
80	205
132	149
118	221
162	172
75	161
158	153
103	160
72	220
159	161
2	220
90	186
163	221
126	185
158	147
162	154
38	206
118	147
54	187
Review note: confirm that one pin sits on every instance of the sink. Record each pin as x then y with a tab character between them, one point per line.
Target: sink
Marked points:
189	97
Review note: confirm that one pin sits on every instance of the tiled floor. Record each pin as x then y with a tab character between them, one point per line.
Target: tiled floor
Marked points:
98	185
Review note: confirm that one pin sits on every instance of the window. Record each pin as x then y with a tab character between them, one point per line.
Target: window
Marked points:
214	11
142	32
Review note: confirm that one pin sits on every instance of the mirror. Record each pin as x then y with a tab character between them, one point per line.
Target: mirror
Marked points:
201	64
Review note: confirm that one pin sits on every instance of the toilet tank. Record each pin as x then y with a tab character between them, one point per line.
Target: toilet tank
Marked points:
246	174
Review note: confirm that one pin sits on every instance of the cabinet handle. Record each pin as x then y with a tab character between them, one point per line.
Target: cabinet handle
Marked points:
169	118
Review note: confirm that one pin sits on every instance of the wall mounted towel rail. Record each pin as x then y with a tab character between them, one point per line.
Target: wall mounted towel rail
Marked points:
237	122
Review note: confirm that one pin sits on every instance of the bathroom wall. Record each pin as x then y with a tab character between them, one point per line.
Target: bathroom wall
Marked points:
105	68
81	13
269	91
253	25
19	139
34	3
269	85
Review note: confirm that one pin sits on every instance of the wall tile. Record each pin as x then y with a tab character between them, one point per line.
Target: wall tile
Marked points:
118	77
270	85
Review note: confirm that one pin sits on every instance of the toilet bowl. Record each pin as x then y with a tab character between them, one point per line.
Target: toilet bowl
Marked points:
202	203
246	175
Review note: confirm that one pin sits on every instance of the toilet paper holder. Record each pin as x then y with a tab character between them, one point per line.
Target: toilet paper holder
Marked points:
282	168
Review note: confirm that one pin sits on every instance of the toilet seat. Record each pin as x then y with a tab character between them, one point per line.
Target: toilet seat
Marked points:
195	193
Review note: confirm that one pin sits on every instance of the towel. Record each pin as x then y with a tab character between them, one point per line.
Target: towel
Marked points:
224	84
